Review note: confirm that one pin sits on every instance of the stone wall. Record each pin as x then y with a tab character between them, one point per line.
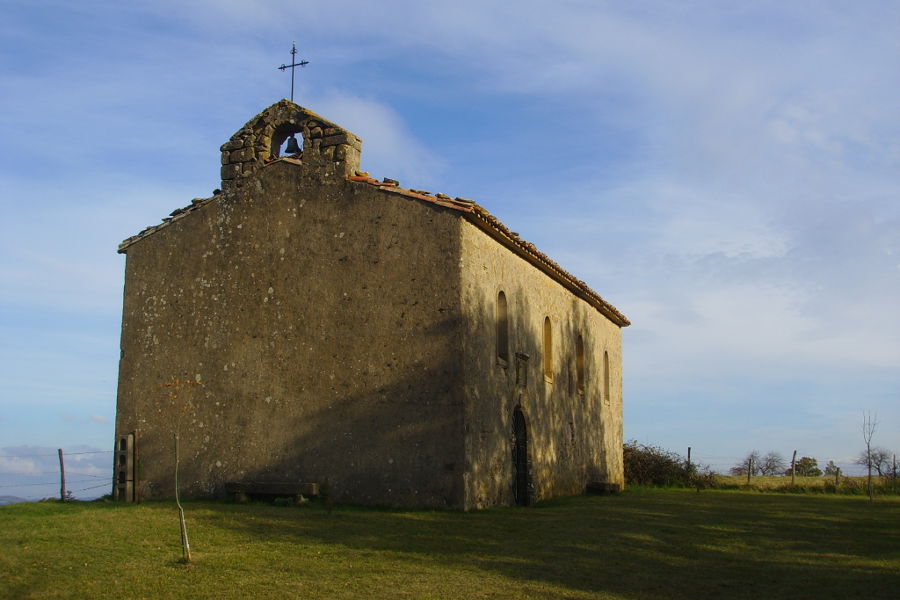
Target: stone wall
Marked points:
326	146
322	323
346	328
574	431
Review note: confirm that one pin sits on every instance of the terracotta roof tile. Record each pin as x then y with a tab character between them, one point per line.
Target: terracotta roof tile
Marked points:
488	223
470	210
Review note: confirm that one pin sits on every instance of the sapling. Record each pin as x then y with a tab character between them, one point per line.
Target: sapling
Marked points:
175	387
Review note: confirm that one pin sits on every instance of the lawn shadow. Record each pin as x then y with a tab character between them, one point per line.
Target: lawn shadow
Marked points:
641	545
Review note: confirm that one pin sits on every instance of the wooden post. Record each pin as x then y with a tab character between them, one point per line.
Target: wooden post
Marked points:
749	468
793	467
837	479
869	489
689	458
185	545
894	474
135	470
62	477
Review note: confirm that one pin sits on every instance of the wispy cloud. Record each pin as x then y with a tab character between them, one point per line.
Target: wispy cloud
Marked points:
18	466
726	174
389	148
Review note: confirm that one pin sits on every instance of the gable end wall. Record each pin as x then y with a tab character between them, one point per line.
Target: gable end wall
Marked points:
323	319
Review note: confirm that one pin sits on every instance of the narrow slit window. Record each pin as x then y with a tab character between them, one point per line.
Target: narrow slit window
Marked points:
548	350
579	364
502	330
606	377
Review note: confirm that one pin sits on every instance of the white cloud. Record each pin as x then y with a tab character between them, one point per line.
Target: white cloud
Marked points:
389	148
726	174
698	222
33	471
19	466
100	419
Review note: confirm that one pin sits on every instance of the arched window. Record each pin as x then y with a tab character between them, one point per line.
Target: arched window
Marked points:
548	350
606	377
579	363
502	330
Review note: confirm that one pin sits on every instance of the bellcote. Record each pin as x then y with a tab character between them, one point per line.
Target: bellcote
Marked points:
326	147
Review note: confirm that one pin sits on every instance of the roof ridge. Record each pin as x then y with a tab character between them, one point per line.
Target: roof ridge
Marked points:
484	220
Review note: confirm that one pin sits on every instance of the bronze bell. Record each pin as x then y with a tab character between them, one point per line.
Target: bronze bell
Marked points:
292	146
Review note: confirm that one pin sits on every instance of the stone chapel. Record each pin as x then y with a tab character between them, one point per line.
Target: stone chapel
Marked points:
310	322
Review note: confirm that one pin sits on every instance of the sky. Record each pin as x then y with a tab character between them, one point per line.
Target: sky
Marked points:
726	174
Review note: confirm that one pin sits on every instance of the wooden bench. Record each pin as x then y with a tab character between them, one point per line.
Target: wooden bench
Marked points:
241	491
603	488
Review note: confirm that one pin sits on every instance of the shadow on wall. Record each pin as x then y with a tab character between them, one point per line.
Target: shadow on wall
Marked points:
401	442
565	428
397	444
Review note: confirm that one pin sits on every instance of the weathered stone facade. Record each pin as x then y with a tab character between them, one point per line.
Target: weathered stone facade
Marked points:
349	329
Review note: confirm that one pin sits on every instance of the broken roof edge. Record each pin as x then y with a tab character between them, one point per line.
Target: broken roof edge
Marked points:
491	225
175	215
471	211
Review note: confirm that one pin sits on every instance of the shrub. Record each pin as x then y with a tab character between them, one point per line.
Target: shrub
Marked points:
652	465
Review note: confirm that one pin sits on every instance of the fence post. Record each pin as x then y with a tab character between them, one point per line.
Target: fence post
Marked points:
689	459
894	475
749	468
793	467
62	477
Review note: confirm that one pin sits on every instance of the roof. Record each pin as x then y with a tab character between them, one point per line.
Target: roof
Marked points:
334	152
481	218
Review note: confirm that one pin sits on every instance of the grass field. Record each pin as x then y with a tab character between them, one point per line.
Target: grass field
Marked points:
845	485
643	544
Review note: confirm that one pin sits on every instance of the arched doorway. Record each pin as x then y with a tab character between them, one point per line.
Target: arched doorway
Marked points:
520	458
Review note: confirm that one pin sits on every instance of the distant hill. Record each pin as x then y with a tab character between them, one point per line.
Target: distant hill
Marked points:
11	500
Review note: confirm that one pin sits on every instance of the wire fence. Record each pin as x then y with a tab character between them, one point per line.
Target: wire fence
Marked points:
90	482
54	454
33	464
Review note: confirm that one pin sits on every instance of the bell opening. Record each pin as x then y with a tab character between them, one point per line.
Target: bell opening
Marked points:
291	147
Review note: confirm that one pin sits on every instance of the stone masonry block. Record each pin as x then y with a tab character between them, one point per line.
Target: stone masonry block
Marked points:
231	171
243	155
232	145
343	138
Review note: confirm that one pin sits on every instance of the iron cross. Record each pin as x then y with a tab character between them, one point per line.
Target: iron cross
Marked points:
293	64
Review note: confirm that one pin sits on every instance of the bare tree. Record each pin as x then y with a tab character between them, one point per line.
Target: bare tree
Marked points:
771	464
879	458
749	466
869	425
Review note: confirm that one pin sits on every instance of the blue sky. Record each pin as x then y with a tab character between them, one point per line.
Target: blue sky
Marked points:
724	173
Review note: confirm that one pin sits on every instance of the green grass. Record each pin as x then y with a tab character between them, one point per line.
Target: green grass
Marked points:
643	544
845	485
